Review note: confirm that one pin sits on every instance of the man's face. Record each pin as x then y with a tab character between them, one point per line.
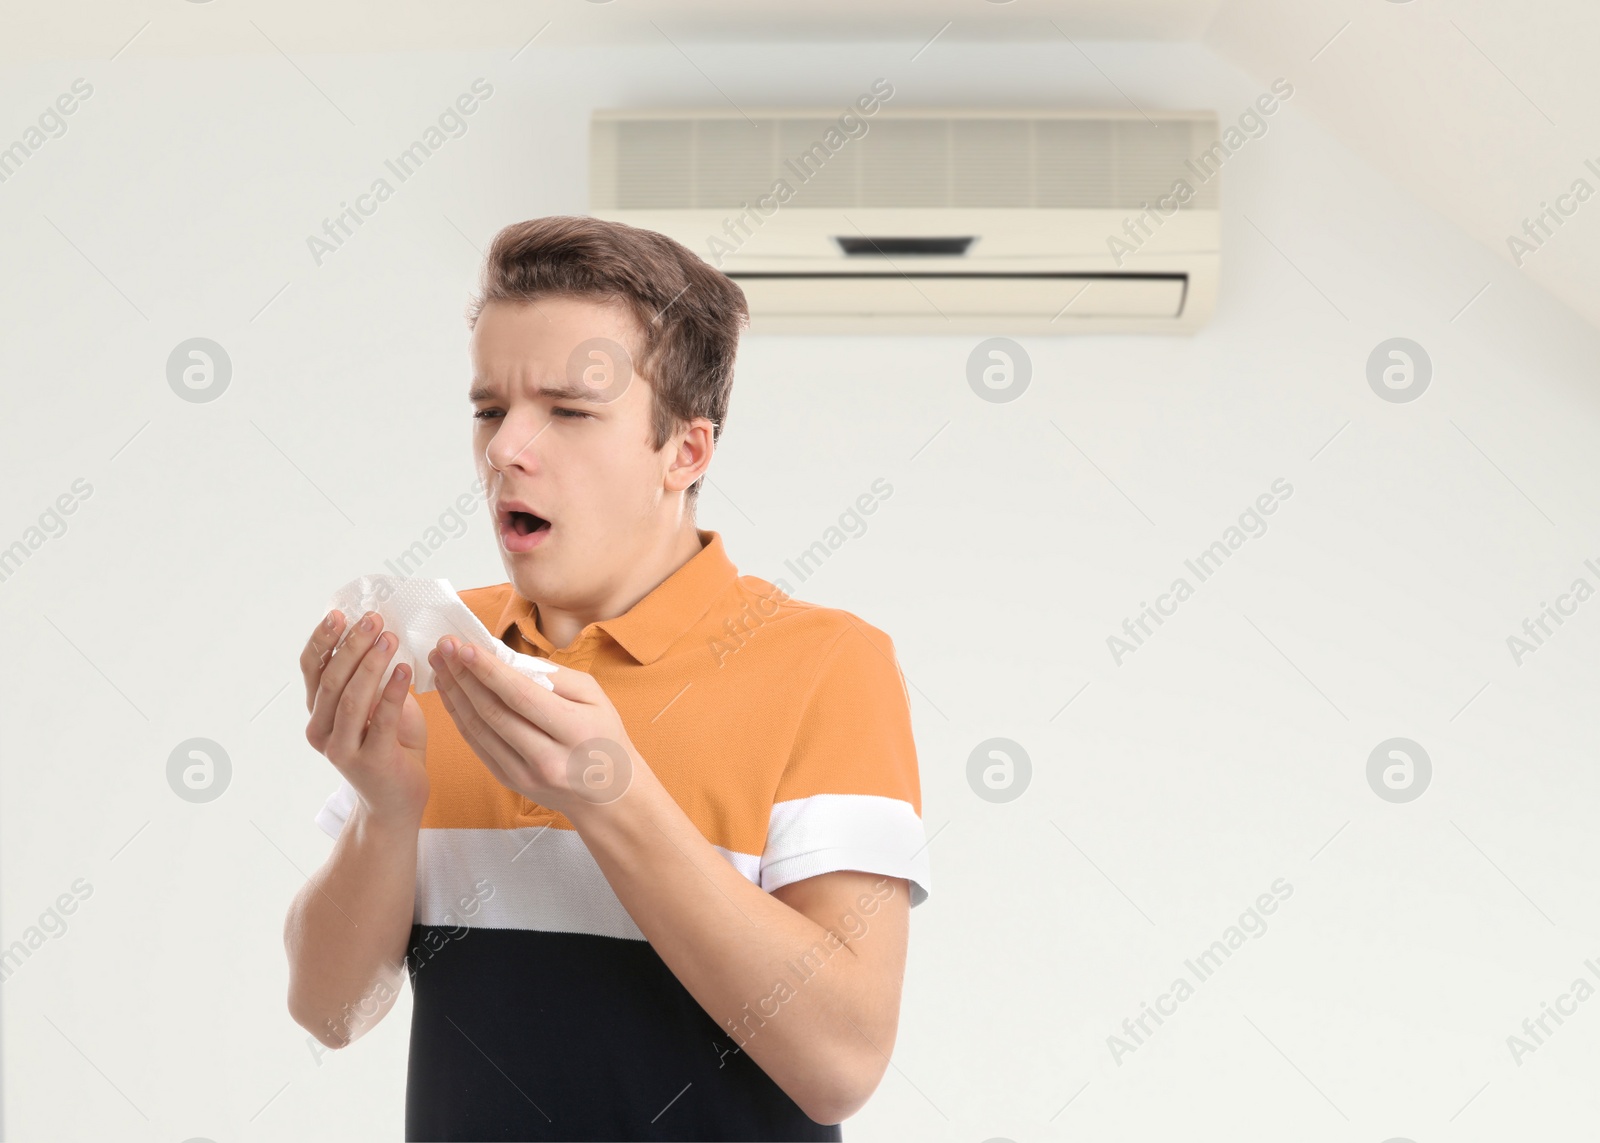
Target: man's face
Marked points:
562	426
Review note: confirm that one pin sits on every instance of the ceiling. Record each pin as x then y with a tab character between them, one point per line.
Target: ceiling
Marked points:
1484	111
89	28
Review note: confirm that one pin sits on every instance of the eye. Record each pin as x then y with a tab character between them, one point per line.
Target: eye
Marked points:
485	414
572	413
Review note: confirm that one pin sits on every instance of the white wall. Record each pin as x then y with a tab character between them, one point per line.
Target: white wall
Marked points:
1487	111
1227	752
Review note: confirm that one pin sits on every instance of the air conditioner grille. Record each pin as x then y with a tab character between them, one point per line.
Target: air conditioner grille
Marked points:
1035	161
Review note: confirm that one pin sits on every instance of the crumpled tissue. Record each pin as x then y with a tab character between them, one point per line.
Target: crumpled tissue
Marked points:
421	612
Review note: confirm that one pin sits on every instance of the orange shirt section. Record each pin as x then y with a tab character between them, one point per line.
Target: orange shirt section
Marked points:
737	696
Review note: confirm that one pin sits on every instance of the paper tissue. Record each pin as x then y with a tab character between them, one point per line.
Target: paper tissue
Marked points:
421	612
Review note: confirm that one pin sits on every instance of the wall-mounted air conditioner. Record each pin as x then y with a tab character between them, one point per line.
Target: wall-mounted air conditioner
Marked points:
930	220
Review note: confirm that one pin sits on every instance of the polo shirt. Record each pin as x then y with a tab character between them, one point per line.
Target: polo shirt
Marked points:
783	730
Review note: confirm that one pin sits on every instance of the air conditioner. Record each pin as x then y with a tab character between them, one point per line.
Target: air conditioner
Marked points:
925	220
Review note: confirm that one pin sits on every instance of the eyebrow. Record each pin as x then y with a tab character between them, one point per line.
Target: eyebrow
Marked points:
554	392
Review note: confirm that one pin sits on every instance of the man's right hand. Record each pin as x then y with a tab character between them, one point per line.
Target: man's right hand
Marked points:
377	742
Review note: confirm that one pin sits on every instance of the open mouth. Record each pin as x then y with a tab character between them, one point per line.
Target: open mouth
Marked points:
526	523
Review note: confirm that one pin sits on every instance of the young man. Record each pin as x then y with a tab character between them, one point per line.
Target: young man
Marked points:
669	899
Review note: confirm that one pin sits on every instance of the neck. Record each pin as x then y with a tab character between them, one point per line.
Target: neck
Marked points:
647	571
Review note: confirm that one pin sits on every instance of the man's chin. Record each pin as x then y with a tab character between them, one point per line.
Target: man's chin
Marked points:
526	575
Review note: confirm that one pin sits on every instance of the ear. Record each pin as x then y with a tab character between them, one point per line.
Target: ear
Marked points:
691	449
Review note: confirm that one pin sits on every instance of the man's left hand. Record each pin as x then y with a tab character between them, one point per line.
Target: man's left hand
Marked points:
563	749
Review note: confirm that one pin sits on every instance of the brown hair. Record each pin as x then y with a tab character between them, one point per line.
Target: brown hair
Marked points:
689	315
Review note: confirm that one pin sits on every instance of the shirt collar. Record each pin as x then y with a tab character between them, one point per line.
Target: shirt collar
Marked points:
653	624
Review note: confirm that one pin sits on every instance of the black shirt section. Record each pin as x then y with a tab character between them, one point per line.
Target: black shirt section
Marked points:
528	1035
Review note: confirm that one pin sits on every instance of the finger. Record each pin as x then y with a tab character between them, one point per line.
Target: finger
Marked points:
571	684
317	650
497	754
333	666
340	667
484	675
354	707
384	728
518	726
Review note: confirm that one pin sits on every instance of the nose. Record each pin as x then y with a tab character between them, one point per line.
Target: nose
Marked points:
509	445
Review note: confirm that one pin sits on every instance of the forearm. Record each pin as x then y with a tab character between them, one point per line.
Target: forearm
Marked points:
783	988
347	930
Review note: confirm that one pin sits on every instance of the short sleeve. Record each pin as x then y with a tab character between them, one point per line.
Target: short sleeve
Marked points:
331	817
850	797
